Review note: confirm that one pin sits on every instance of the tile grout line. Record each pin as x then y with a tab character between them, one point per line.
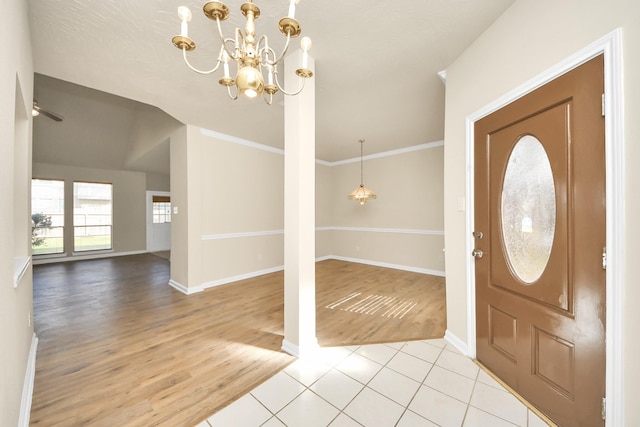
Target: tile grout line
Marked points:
406	408
396	350
332	367
473	389
363	385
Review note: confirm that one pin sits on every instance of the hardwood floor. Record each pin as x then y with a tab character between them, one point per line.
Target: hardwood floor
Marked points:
118	346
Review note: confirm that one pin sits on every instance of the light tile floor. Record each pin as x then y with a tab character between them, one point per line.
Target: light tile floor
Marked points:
407	384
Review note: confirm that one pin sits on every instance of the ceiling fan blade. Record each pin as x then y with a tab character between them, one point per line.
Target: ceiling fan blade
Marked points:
51	115
40	110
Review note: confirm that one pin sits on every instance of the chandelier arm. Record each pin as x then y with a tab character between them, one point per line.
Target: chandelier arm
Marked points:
261	50
250	56
266	51
229	40
184	55
275	74
233	97
284	52
239	37
232	54
270	100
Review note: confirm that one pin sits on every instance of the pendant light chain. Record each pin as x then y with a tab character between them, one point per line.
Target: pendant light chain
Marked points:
361	163
361	194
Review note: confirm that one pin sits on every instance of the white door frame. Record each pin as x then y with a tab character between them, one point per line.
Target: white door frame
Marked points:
149	221
611	46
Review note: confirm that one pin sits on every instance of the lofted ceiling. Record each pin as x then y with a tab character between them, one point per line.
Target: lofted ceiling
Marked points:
105	64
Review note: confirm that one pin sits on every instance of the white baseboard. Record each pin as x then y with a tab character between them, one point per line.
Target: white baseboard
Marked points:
152	250
192	290
182	288
308	350
27	388
457	343
239	277
289	347
52	259
388	265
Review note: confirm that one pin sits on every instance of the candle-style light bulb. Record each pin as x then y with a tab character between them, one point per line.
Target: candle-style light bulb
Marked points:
185	16
305	44
270	74
225	59
292	8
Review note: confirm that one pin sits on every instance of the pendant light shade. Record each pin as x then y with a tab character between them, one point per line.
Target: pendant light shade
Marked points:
361	194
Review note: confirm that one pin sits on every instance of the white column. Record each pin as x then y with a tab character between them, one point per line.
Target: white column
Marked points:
299	213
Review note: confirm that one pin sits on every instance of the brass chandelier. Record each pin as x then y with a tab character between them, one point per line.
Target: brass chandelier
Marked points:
361	194
250	54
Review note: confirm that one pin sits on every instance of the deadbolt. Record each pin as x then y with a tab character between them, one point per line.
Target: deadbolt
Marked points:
477	253
478	234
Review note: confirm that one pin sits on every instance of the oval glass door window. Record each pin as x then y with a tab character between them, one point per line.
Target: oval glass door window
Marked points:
528	209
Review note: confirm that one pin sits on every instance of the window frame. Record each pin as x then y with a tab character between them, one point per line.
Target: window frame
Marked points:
60	250
79	249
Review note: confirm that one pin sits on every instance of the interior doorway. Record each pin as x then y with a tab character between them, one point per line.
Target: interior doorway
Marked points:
158	221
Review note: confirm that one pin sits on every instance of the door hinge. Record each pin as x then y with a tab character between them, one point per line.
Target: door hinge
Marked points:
604	258
603	105
603	409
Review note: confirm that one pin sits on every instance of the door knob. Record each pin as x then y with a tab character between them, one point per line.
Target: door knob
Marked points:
477	253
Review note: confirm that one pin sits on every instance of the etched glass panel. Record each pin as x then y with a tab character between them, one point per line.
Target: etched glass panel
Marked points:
528	209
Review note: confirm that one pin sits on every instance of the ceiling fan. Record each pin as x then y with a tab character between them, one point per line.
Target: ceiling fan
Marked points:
37	110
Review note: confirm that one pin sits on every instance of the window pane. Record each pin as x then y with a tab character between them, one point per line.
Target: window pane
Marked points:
47	215
161	212
92	216
528	209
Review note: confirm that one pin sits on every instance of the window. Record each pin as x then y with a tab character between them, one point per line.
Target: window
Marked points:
47	216
161	209
92	216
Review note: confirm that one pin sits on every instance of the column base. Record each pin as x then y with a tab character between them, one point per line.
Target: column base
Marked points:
303	351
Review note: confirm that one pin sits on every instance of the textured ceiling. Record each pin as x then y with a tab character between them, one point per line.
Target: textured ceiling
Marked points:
376	65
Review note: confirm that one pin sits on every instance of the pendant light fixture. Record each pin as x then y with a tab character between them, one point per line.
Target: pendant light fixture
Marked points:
361	194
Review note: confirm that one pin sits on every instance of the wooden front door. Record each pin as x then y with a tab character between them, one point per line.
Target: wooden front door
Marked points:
539	239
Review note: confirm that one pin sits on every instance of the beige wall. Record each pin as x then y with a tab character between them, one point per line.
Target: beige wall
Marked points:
235	195
179	199
158	182
230	200
243	193
129	203
150	125
532	36
324	209
16	94
404	226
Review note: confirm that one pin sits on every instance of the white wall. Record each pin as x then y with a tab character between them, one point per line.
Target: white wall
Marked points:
16	95
530	37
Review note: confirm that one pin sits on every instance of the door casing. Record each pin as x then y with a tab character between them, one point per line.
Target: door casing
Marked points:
611	46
